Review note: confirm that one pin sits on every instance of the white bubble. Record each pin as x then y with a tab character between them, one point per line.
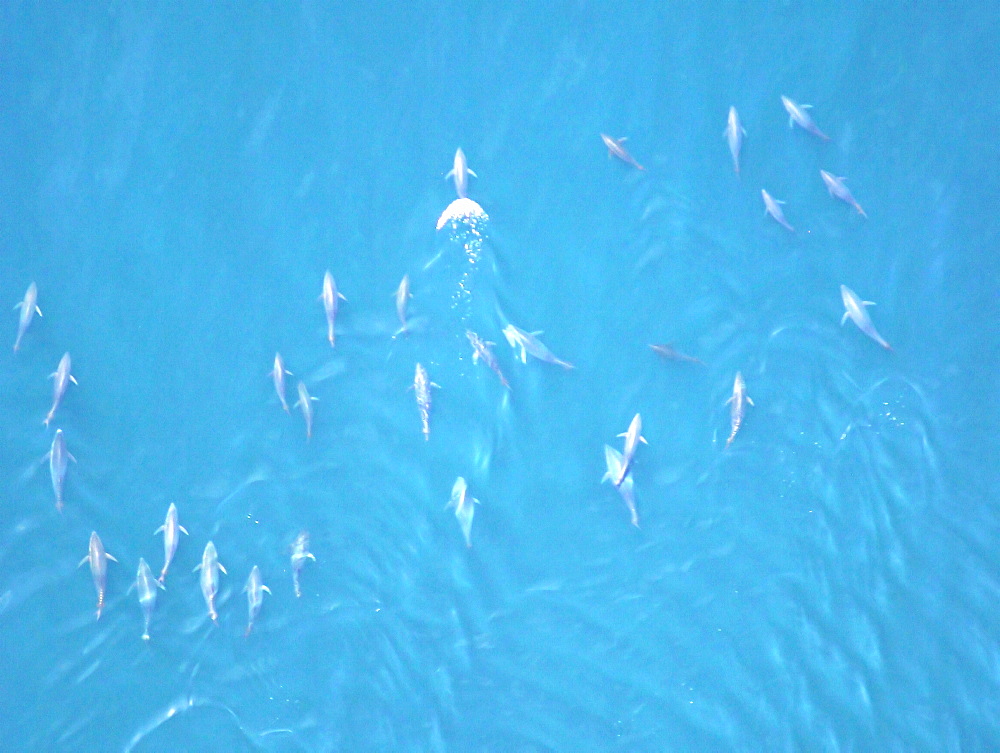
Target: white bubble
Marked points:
462	212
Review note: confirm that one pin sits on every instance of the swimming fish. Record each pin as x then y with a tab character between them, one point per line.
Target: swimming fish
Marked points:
616	147
633	436
98	559
855	311
171	530
255	590
464	508
528	342
62	377
330	297
668	351
305	402
797	115
59	458
29	307
210	567
460	173
617	469
278	373
146	586
738	406
772	207
838	190
402	295
481	349
300	553
422	390
734	134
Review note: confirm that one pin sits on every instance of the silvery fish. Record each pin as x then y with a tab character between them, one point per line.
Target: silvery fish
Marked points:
146	586
209	578
300	553
171	530
98	559
29	307
62	377
255	590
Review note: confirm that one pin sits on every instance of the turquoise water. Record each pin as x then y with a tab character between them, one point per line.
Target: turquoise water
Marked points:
177	181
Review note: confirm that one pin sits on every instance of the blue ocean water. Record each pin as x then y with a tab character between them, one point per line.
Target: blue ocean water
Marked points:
177	179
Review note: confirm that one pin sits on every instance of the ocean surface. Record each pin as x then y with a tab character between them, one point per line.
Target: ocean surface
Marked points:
177	178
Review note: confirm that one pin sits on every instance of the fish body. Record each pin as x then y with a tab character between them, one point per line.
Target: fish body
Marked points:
854	309
668	351
278	372
305	402
29	307
171	530
98	559
616	148
59	458
840	191
734	134
615	463
331	298
460	173
62	377
209	578
633	436
422	390
737	406
528	342
483	350
464	505
772	207
300	553
255	590
146	586
402	295
797	115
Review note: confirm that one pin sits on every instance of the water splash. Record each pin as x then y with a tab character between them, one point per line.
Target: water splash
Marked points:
466	223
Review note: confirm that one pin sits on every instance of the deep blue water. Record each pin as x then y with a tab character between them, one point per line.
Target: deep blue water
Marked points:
176	178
